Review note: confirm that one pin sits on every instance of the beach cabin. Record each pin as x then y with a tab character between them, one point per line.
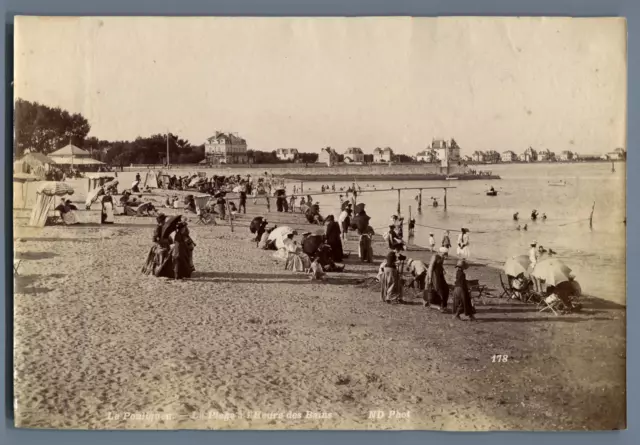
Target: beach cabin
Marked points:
36	164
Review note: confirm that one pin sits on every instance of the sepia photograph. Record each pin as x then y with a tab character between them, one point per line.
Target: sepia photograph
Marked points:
365	223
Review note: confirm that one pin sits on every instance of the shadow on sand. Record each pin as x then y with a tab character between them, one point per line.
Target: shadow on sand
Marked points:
552	318
235	277
34	255
590	302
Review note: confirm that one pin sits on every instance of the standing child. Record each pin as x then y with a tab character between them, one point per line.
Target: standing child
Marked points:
412	225
432	242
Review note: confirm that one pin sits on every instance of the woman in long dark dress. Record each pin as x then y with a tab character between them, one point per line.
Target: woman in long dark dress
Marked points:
106	215
332	237
461	295
437	289
178	265
160	249
360	223
390	282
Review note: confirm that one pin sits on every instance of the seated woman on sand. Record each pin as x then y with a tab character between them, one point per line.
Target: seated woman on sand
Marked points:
67	213
297	260
146	209
313	214
129	206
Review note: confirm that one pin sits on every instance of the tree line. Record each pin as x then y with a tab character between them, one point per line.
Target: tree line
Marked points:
42	129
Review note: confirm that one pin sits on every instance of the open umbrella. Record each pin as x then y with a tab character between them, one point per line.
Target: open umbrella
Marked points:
279	234
170	225
255	224
517	265
552	271
311	243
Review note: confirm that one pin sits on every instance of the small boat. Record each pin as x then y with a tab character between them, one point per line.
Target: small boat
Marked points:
492	193
558	183
452	178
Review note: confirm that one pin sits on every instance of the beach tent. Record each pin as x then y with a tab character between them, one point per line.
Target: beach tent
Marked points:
21	185
150	180
97	180
46	194
36	164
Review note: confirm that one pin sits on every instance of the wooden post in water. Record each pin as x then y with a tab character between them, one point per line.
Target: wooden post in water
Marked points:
420	202
591	216
302	187
230	216
445	199
398	202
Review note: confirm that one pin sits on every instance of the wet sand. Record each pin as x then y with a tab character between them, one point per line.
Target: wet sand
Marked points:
246	344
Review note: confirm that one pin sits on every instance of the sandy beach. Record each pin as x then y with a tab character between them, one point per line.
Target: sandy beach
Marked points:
246	344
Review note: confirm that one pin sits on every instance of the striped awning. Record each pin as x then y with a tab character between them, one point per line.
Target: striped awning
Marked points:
53	188
73	160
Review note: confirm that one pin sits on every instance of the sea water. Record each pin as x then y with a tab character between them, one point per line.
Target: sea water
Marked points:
596	255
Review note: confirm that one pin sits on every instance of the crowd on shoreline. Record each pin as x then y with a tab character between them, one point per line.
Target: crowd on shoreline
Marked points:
316	254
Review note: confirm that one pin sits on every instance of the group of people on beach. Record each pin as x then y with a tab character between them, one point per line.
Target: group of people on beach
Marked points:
430	280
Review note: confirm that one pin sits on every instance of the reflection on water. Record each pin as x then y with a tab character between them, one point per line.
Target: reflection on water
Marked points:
597	256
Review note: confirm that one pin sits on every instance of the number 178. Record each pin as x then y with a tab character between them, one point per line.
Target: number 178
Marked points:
499	358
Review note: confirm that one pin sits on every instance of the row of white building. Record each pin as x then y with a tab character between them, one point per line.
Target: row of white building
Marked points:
439	150
531	155
229	148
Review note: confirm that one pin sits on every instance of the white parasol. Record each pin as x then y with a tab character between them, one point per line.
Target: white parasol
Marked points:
280	234
552	271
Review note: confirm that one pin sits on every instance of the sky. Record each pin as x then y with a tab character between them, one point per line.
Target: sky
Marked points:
492	84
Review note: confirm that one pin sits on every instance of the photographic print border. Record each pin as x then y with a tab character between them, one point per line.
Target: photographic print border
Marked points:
590	8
